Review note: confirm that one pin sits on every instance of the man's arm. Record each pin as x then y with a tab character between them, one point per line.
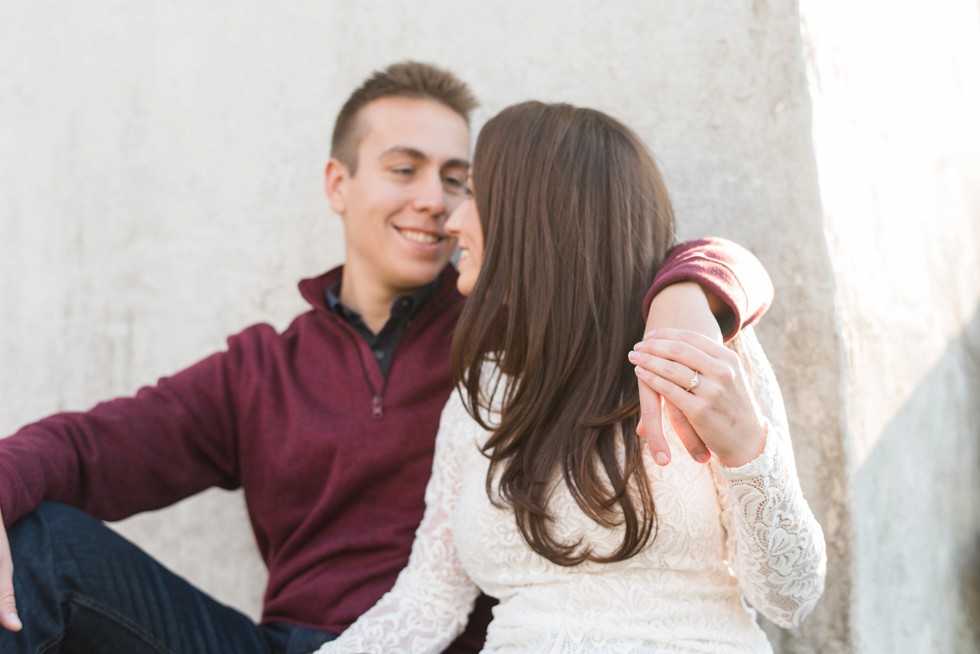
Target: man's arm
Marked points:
735	282
131	454
167	442
712	286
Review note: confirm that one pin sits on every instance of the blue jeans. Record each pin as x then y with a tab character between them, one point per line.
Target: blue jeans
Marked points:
83	588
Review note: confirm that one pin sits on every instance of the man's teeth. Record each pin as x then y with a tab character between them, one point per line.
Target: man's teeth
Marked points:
420	237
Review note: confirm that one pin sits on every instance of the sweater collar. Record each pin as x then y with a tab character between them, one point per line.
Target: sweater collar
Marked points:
314	289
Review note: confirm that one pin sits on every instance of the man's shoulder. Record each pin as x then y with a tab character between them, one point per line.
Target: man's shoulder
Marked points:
264	335
314	289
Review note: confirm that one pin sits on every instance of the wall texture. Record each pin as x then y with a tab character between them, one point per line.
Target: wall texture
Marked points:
160	188
898	155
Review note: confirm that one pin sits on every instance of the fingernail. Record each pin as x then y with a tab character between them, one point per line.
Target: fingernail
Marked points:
14	620
650	334
638	345
701	457
633	356
661	458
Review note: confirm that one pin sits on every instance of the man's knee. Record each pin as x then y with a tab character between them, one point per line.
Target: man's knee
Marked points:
54	514
49	515
50	525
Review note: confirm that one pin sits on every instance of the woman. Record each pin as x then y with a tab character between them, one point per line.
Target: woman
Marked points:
542	495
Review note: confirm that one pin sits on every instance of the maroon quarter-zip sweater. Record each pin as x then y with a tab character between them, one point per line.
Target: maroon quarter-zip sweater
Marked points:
333	457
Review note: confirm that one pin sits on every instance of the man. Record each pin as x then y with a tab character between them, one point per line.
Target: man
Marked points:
328	427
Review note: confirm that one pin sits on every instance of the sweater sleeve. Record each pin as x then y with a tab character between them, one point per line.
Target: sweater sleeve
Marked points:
728	270
774	542
132	454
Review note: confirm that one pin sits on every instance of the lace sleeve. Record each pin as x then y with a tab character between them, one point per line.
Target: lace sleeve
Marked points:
433	596
775	545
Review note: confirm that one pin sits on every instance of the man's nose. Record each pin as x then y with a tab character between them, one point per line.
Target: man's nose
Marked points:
431	195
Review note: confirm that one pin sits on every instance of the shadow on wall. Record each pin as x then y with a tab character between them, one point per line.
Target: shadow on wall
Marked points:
913	581
916	503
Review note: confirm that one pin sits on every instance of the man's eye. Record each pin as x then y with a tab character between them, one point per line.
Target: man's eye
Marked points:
404	171
457	184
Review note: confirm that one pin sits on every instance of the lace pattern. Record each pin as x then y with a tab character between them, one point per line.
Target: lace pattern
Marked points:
776	546
724	534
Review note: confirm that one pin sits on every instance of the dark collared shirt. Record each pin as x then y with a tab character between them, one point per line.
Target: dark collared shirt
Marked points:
403	311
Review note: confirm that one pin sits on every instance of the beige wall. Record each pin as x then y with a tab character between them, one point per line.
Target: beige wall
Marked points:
898	154
160	188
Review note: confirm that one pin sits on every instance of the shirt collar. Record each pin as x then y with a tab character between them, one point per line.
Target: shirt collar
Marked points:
404	308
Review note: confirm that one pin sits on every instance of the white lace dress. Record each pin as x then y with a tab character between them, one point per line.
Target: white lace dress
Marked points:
725	536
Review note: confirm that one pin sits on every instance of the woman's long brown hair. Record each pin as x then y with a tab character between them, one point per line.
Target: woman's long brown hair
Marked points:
577	221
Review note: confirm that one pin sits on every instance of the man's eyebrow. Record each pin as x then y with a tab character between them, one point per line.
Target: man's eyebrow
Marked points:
414	153
456	163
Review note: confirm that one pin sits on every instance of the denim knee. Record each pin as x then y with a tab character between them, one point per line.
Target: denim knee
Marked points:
50	525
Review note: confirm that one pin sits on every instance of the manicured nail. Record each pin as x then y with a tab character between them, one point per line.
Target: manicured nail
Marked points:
14	620
638	345
661	458
701	457
633	356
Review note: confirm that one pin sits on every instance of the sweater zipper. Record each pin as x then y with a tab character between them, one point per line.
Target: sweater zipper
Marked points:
377	399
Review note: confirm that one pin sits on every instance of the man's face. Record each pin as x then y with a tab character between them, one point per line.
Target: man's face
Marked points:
411	174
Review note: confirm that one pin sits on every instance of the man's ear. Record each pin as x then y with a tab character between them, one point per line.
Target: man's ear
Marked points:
335	177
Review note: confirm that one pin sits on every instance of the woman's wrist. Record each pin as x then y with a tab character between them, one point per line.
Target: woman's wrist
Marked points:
750	450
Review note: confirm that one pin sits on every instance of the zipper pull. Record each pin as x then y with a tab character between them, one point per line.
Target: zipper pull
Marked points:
376	411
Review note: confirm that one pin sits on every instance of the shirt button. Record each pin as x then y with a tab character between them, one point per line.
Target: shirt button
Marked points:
379	354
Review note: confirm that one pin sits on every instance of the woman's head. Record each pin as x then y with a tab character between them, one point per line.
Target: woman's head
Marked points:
547	176
575	222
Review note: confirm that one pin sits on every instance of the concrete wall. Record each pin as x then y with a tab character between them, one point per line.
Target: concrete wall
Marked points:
160	188
898	154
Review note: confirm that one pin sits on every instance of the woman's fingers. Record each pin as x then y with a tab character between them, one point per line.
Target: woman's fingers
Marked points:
683	428
716	364
684	376
688	435
709	401
651	424
694	339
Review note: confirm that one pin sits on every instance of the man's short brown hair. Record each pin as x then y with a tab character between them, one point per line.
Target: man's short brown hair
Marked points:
408	79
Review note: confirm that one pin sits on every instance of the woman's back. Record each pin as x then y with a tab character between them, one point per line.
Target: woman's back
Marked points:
676	590
676	595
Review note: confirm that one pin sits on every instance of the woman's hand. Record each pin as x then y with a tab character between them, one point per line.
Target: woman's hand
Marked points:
705	381
684	305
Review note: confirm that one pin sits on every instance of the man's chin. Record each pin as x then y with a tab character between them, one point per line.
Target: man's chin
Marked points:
422	278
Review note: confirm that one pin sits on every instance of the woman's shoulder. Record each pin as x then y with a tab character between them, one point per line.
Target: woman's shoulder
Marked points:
458	412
